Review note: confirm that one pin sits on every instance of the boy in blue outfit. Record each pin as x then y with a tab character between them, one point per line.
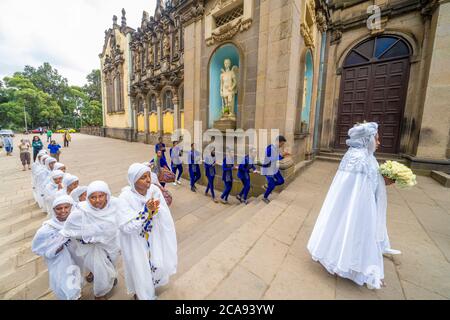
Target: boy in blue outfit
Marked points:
244	174
210	171
194	158
270	167
176	163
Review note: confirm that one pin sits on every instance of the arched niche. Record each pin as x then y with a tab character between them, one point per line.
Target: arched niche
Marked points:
216	65
307	91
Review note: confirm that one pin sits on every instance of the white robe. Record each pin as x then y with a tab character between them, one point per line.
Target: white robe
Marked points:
65	280
350	234
148	264
51	192
96	233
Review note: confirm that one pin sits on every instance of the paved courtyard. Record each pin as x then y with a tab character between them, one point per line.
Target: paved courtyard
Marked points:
235	252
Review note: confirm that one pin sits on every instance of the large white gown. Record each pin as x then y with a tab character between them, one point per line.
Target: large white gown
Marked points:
96	234
64	277
350	234
148	263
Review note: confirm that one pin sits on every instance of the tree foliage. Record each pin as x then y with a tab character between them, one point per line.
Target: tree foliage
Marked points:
46	99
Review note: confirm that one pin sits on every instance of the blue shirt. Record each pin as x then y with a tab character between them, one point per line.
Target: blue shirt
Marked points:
162	162
175	154
270	165
245	167
227	168
210	166
194	157
162	147
54	148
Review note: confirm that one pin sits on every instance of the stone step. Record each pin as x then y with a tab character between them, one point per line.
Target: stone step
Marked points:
11	225
207	238
25	233
33	289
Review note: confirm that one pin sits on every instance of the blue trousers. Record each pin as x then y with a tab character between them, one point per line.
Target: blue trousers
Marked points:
210	186
194	176
226	192
246	189
273	181
179	168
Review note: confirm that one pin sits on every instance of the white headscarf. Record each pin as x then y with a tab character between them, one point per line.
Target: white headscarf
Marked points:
77	192
135	172
56	174
155	179
99	223
58	166
68	180
362	134
54	222
48	161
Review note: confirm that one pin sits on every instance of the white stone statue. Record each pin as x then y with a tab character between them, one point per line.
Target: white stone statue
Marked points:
228	87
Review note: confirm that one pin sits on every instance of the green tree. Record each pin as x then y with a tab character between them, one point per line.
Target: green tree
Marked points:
93	86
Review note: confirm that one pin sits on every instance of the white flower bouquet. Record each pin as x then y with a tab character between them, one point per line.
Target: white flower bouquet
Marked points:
398	173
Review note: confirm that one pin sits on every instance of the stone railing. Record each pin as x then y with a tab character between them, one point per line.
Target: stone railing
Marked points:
93	131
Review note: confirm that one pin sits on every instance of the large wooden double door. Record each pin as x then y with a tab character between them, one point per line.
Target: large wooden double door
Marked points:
373	88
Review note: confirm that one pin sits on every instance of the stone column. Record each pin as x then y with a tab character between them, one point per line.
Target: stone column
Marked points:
146	127
176	115
160	116
435	126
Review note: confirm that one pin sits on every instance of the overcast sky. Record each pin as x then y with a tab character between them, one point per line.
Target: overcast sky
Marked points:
68	34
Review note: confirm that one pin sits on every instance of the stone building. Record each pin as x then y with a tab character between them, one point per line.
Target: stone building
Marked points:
310	68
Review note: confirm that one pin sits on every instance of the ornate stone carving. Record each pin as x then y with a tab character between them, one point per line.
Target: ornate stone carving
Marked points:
229	18
336	36
307	35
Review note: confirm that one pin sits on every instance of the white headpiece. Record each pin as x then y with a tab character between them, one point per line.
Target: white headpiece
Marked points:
136	171
361	134
77	192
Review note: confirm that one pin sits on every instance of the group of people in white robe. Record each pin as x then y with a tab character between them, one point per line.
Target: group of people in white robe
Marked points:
89	230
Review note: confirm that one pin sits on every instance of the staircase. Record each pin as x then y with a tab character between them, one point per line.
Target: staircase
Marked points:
336	156
24	275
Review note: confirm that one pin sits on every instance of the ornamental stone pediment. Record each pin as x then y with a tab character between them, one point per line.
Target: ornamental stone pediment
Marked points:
227	18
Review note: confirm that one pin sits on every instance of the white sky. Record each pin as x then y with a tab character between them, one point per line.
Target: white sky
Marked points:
68	34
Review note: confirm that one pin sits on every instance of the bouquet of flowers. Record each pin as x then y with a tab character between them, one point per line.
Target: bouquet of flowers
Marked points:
399	173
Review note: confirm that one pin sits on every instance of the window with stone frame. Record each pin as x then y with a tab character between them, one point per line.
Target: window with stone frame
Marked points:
153	105
141	106
118	95
168	101
230	16
181	99
110	93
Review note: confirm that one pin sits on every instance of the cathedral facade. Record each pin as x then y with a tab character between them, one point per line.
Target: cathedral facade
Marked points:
309	68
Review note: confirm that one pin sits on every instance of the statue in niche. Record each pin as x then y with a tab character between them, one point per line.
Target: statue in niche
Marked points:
137	64
228	88
150	54
166	46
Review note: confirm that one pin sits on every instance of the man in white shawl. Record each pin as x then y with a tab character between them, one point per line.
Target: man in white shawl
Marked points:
64	273
93	225
350	235
52	188
147	235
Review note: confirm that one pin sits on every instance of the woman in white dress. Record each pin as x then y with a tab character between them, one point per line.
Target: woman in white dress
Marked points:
52	188
59	252
93	225
36	168
147	235
350	236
